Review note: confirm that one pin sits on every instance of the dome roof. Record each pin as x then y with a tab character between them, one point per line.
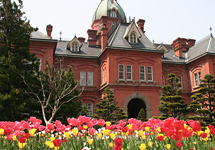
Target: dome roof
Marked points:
104	9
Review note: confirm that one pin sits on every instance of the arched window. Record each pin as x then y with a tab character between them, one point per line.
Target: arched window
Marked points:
133	38
75	47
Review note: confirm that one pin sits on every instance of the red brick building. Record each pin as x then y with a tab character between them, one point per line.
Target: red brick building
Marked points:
117	54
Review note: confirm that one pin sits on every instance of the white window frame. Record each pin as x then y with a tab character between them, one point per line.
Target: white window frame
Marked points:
113	13
90	109
75	47
83	78
163	80
149	73
195	80
128	72
143	73
133	38
90	78
199	77
104	76
122	72
181	81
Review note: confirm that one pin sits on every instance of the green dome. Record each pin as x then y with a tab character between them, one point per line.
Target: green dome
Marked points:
106	6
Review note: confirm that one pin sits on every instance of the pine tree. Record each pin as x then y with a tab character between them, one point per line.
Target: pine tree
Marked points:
142	115
172	104
84	111
108	109
203	104
15	60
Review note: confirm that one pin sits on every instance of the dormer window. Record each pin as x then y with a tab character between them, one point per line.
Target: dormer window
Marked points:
133	38
75	47
113	13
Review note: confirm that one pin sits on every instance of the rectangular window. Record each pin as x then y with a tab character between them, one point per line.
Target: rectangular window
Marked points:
195	80
104	75
149	73
90	78
142	73
163	80
180	80
121	72
129	72
82	78
90	109
199	76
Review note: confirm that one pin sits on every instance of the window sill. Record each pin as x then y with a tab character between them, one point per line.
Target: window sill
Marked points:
196	87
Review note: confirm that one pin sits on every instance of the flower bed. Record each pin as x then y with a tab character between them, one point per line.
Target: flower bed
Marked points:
86	133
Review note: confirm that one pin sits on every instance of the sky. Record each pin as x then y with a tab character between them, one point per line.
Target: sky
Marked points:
166	20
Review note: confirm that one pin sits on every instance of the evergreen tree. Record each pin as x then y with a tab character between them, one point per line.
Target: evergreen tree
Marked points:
172	104
142	115
203	104
108	109
15	60
84	111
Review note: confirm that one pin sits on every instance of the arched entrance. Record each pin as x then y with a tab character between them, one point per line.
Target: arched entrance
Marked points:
134	107
137	97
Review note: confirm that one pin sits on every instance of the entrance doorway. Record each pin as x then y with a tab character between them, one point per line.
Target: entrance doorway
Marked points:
134	107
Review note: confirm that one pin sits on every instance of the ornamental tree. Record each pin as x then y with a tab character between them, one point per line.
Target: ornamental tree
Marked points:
203	104
172	104
15	59
107	108
142	115
57	90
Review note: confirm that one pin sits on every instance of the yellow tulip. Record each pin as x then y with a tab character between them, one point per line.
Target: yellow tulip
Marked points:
111	144
32	131
150	144
52	138
99	135
112	135
108	123
147	129
67	134
85	127
140	133
75	132
21	145
159	129
143	137
106	132
168	146
14	138
129	126
1	131
142	146
90	141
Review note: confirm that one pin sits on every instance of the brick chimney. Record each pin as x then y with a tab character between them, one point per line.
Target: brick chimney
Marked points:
179	45
191	42
140	24
49	30
91	37
104	32
81	39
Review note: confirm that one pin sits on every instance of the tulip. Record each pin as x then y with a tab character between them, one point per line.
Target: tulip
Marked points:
90	141
142	146
179	144
168	146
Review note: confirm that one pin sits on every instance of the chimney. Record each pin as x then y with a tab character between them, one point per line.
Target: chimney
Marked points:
49	30
140	24
191	42
81	39
179	45
91	37
104	32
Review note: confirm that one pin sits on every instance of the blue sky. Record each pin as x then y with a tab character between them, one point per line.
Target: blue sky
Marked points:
165	19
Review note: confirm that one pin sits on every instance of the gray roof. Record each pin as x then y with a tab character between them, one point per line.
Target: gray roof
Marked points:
85	50
200	49
116	40
39	35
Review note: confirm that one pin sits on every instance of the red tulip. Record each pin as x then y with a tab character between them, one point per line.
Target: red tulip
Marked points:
204	135
179	144
57	142
160	138
22	139
118	142
196	126
27	135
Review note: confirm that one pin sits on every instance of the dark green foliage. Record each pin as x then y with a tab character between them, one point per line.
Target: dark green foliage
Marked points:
172	104
15	60
84	111
203	104
107	108
142	115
